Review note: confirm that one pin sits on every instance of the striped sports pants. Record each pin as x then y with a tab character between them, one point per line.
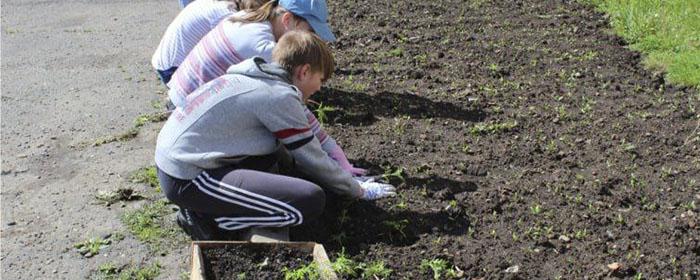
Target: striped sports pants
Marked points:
236	198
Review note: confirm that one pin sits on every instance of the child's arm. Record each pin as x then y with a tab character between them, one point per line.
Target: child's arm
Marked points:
329	145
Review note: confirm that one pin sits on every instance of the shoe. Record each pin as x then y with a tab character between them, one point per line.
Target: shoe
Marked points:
197	227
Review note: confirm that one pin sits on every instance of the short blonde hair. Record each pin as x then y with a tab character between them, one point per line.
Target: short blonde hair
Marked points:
297	48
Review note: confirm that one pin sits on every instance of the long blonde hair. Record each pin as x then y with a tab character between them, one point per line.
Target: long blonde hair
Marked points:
266	12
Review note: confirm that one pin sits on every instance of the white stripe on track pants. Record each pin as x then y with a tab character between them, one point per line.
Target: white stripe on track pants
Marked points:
241	198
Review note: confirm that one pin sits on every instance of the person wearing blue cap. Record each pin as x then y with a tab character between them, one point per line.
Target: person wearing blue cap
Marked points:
254	33
242	36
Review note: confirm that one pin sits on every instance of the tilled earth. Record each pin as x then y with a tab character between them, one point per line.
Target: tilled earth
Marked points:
526	140
531	143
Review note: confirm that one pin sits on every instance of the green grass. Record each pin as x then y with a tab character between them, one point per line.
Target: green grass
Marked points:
150	226
146	175
667	31
110	271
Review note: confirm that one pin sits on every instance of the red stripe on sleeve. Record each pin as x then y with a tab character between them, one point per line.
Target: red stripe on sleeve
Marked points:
289	132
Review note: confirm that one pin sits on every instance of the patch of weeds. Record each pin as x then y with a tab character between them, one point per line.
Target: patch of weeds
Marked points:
492	128
110	271
322	112
146	118
147	175
121	194
344	267
92	246
149	226
309	271
375	270
134	131
128	135
439	267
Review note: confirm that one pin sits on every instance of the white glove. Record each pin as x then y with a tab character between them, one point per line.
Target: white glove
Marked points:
372	190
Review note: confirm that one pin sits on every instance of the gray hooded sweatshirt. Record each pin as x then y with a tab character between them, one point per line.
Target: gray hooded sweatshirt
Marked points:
249	111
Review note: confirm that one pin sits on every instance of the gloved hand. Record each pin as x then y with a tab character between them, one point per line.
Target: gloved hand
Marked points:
372	190
339	156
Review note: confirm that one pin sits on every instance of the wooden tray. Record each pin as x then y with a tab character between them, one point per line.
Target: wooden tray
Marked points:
319	253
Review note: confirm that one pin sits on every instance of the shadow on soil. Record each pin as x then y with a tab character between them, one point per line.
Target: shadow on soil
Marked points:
355	225
356	108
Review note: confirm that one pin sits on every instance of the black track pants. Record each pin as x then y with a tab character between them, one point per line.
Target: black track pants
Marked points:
241	198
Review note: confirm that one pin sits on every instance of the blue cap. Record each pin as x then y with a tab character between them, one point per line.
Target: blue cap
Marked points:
314	12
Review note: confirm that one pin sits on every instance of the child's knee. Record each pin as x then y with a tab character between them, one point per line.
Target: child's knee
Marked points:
313	202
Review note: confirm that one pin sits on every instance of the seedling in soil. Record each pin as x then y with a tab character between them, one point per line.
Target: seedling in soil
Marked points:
344	267
401	204
400	124
146	175
438	267
322	112
109	271
398	226
689	206
376	270
492	128
306	272
121	194
92	247
343	217
339	237
627	147
146	118
393	173
580	234
536	209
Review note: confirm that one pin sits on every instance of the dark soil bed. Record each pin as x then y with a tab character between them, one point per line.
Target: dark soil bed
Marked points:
532	144
252	262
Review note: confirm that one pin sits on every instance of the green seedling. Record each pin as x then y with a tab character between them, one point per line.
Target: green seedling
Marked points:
536	209
322	112
306	272
343	217
627	147
492	128
344	267
376	270
580	234
400	124
241	276
339	237
393	173
689	206
438	267
121	194
92	246
145	175
397	52
398	226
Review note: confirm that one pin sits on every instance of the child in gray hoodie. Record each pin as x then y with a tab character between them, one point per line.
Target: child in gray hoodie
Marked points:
218	157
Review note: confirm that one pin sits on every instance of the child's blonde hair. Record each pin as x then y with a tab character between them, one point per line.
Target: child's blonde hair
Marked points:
247	5
267	12
297	48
